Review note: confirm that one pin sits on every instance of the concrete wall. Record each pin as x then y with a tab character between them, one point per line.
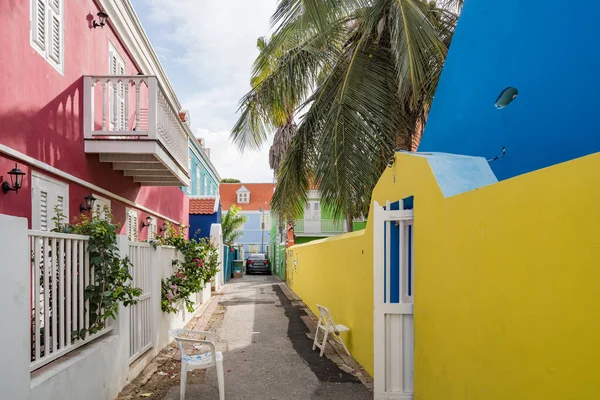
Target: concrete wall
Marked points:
510	43
506	281
95	371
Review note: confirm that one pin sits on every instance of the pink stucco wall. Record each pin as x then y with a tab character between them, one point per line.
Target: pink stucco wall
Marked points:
41	111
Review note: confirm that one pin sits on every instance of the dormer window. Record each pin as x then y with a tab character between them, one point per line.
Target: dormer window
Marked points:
243	195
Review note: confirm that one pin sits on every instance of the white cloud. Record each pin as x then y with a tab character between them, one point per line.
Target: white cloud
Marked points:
216	45
248	167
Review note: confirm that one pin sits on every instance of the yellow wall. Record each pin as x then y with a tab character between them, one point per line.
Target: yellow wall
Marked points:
507	283
338	274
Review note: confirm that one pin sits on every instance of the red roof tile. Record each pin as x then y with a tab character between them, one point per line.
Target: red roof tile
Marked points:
260	195
202	206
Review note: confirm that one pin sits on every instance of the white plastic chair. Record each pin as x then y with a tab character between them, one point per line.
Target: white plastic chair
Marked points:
199	360
327	325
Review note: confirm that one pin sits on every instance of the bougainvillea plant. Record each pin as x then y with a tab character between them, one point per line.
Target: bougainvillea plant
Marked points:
199	265
112	279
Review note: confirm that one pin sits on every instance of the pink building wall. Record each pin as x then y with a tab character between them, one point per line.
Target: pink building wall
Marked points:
41	113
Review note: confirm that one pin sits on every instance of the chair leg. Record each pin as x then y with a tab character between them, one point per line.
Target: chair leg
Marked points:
183	382
221	380
317	334
324	341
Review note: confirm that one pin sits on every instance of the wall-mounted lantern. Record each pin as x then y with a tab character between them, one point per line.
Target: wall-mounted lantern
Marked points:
164	227
16	180
89	203
102	16
147	223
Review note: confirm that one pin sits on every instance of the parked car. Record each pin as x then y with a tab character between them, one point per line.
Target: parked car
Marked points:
258	262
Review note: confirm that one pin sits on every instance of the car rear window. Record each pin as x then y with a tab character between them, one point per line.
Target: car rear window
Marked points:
257	257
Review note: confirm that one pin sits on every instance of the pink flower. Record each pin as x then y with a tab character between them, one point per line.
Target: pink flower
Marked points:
170	296
174	287
185	277
179	274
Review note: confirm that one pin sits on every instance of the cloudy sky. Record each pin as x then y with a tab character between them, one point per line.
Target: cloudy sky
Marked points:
207	48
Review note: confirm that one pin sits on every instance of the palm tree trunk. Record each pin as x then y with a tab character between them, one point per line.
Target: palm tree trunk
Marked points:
349	222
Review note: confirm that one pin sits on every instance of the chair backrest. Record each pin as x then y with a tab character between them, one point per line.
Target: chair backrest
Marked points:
183	336
325	316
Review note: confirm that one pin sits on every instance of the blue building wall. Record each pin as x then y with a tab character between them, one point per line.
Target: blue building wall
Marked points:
251	233
546	51
203	222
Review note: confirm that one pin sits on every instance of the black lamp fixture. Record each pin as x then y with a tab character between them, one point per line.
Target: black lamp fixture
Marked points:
16	180
102	18
147	223
164	227
89	203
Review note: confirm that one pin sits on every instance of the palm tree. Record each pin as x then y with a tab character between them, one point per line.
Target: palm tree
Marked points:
230	223
365	71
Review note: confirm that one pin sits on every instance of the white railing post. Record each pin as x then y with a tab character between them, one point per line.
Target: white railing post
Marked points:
152	107
88	107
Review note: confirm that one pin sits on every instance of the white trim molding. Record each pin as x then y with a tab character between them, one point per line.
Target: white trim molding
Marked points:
55	171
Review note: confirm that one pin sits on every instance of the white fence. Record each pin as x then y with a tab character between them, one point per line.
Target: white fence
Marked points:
42	293
141	314
60	272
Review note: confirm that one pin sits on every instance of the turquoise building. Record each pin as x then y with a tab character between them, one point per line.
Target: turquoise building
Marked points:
203	174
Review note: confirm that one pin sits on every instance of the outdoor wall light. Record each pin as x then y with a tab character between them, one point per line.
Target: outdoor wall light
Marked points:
89	203
102	18
16	180
506	97
164	227
147	223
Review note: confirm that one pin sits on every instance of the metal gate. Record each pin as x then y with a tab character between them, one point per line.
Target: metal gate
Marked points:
141	314
393	276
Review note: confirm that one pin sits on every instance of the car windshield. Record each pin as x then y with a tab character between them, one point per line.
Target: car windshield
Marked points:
256	257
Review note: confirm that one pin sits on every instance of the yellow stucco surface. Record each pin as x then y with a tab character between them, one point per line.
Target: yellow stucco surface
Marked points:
507	283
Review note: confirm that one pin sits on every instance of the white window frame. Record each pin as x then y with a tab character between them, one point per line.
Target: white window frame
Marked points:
38	181
243	198
117	91
205	185
132	225
198	180
152	229
101	202
44	47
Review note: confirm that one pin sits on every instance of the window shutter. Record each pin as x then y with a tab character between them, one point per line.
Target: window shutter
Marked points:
39	23
56	31
132	224
43	210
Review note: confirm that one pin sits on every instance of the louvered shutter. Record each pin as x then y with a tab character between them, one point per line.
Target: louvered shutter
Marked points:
43	210
38	25
122	120
55	31
152	229
48	195
132	226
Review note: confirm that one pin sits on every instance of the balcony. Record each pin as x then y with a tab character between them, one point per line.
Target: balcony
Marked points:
130	122
322	227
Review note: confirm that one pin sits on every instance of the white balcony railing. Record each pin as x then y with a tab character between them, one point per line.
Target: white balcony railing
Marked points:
133	108
60	272
319	227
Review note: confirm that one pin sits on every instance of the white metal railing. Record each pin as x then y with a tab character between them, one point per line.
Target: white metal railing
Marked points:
133	107
60	272
142	314
320	226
